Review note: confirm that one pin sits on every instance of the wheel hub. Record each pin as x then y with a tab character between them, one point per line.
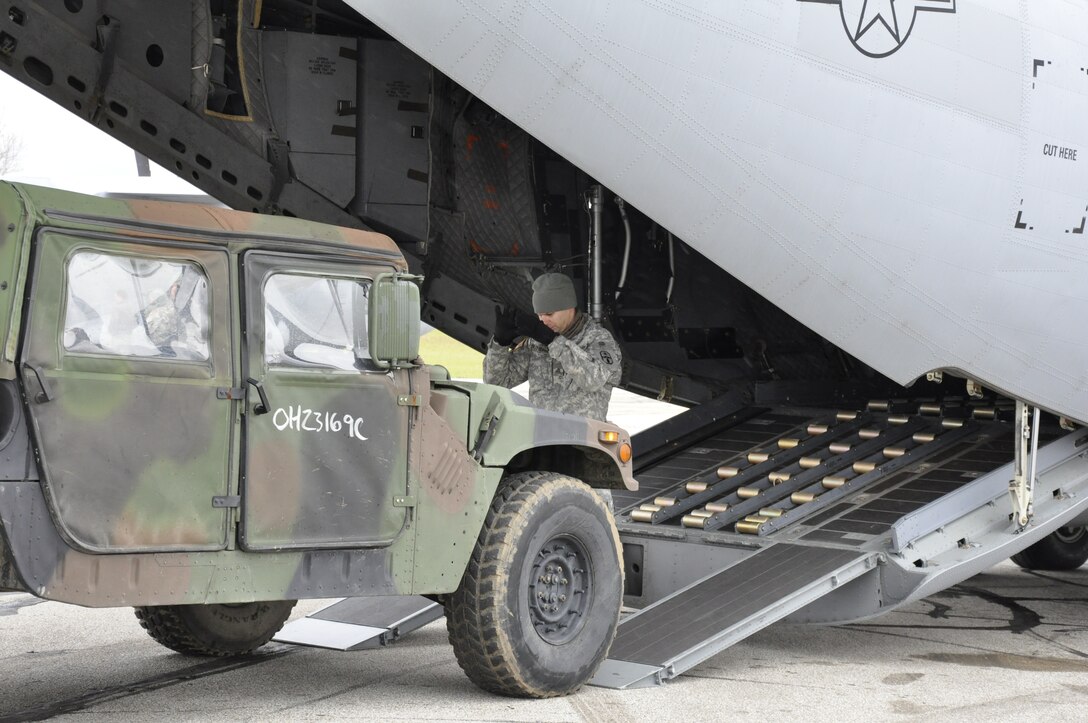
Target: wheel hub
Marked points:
559	589
1070	535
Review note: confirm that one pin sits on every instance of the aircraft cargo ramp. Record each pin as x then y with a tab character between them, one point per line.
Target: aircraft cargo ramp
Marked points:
819	516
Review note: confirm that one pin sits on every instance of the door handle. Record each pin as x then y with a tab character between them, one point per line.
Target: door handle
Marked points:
45	395
263	407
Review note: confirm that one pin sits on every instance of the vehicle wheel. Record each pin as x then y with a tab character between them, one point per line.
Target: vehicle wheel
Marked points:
216	630
538	605
1064	549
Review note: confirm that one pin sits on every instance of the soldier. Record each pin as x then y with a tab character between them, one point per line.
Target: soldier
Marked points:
570	360
169	321
163	321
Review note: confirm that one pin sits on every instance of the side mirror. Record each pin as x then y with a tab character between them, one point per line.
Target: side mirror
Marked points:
392	331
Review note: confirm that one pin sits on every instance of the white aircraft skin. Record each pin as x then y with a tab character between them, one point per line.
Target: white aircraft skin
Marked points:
909	179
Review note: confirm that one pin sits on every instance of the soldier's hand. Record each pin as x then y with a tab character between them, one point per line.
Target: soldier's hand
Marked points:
506	328
532	327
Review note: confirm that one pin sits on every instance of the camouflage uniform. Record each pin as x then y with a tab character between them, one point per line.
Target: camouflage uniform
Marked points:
163	323
574	374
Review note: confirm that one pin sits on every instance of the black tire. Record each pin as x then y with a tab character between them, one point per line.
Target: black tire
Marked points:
215	630
545	537
1065	549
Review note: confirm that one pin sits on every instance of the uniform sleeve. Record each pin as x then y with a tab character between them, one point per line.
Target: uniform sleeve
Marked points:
506	367
593	366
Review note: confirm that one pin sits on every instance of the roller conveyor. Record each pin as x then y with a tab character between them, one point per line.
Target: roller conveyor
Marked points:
807	467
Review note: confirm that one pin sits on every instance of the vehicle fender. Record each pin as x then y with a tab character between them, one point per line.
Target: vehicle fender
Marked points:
517	436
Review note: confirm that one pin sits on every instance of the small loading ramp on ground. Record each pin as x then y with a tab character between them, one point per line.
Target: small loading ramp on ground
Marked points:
755	515
361	623
749	515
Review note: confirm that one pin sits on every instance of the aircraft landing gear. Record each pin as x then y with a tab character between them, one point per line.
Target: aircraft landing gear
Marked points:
1065	549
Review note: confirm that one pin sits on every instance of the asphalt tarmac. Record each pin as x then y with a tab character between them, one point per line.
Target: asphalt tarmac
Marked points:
1006	644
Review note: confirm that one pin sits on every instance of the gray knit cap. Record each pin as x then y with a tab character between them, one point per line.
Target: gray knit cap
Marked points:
553	292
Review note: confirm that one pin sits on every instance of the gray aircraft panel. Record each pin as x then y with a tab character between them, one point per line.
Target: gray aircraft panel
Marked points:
909	181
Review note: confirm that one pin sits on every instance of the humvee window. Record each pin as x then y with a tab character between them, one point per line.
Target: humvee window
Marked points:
136	306
309	320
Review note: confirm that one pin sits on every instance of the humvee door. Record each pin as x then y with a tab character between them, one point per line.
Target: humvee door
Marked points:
125	349
325	450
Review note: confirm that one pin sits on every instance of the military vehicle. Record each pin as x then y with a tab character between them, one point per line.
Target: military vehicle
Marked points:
847	233
208	414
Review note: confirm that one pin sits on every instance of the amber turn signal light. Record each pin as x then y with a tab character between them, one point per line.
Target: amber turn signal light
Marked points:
607	436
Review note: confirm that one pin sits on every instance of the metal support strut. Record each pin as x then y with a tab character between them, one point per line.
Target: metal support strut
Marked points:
1022	485
595	207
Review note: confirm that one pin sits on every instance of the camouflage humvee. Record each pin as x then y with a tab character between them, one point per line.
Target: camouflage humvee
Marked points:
207	415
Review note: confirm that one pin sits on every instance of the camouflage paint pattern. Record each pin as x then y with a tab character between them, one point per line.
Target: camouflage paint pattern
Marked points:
15	233
574	374
324	464
131	451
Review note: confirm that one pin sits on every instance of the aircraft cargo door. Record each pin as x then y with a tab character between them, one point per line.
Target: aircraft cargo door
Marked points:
325	450
126	348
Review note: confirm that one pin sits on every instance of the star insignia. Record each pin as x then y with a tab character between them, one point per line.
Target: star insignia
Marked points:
874	11
859	17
